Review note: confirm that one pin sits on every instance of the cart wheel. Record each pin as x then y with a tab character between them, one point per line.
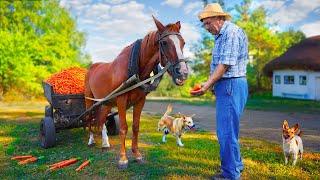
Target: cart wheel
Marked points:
113	124
49	111
47	133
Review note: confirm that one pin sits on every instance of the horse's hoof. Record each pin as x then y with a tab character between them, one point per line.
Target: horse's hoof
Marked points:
122	166
139	160
105	148
92	145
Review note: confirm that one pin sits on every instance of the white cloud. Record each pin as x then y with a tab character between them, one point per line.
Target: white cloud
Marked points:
106	54
190	34
76	4
287	13
192	6
311	29
172	3
114	1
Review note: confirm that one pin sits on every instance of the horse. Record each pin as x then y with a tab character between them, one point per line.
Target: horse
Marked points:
161	46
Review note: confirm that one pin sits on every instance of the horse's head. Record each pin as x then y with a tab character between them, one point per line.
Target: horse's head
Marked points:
171	45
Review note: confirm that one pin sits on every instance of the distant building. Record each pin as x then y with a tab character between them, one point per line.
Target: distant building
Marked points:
296	73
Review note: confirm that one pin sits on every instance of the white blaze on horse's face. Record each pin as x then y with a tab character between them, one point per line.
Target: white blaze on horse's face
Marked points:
183	65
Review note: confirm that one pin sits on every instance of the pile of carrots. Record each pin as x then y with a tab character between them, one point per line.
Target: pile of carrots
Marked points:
68	81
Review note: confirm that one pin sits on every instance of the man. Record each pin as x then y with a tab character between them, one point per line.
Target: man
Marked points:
228	77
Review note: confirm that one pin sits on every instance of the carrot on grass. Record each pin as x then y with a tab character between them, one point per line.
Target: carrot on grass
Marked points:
32	159
66	163
58	163
86	163
21	157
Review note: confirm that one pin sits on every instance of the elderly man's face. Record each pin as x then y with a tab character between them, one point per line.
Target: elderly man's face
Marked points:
213	24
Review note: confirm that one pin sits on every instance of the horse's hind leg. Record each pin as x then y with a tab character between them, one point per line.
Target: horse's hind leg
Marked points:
89	103
137	108
102	117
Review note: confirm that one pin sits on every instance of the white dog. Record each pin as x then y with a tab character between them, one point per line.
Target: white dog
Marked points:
292	143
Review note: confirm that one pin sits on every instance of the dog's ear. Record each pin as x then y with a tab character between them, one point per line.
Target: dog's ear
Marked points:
192	115
285	125
182	115
296	127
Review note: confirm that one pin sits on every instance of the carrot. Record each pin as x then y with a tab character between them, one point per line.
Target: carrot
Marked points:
66	163
68	81
58	163
86	163
21	157
32	159
196	88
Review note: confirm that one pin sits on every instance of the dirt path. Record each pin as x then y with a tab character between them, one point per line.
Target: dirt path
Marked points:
257	124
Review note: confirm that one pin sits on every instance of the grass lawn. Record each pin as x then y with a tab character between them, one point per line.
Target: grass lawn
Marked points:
199	158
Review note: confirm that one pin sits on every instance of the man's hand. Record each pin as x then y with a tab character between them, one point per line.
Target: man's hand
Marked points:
204	87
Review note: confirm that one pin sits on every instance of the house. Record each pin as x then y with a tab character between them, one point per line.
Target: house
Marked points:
296	73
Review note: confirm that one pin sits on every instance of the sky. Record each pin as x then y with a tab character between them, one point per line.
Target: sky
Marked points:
111	25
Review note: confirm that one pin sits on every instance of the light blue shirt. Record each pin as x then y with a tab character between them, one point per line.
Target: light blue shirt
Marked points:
230	48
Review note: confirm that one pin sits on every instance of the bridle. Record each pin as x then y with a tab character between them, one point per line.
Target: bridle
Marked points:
161	51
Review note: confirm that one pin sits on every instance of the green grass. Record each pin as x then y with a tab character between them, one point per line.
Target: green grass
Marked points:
197	160
264	102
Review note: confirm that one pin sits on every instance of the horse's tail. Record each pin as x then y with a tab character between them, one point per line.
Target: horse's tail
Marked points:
169	109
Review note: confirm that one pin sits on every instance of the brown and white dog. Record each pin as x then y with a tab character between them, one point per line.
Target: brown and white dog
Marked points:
292	142
177	126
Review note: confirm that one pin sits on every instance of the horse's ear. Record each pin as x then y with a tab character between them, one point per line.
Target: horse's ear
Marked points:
159	25
178	24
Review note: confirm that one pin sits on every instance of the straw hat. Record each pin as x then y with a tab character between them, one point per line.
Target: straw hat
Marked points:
213	10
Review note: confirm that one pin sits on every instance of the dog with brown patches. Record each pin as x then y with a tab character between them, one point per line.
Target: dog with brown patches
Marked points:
177	126
292	142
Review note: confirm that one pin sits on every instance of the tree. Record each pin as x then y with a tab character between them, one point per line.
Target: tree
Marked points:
264	44
38	38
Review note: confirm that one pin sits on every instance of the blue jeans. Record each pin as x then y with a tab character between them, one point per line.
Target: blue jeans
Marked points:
231	97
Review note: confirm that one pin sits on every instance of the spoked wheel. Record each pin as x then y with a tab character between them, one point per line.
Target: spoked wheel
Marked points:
113	124
47	133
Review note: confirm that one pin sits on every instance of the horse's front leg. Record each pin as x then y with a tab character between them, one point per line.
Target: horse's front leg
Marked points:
137	108
122	108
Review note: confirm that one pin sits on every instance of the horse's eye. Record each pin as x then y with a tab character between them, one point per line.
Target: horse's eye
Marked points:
164	43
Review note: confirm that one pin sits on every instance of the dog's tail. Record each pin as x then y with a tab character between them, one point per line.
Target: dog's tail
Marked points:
300	133
169	109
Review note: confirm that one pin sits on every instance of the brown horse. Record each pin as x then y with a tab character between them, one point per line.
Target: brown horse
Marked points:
165	45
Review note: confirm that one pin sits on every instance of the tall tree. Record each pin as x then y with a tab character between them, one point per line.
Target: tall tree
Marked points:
38	38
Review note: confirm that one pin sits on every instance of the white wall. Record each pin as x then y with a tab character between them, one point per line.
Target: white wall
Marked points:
297	91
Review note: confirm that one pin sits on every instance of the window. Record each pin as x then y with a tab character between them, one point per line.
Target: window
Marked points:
277	79
288	79
303	80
